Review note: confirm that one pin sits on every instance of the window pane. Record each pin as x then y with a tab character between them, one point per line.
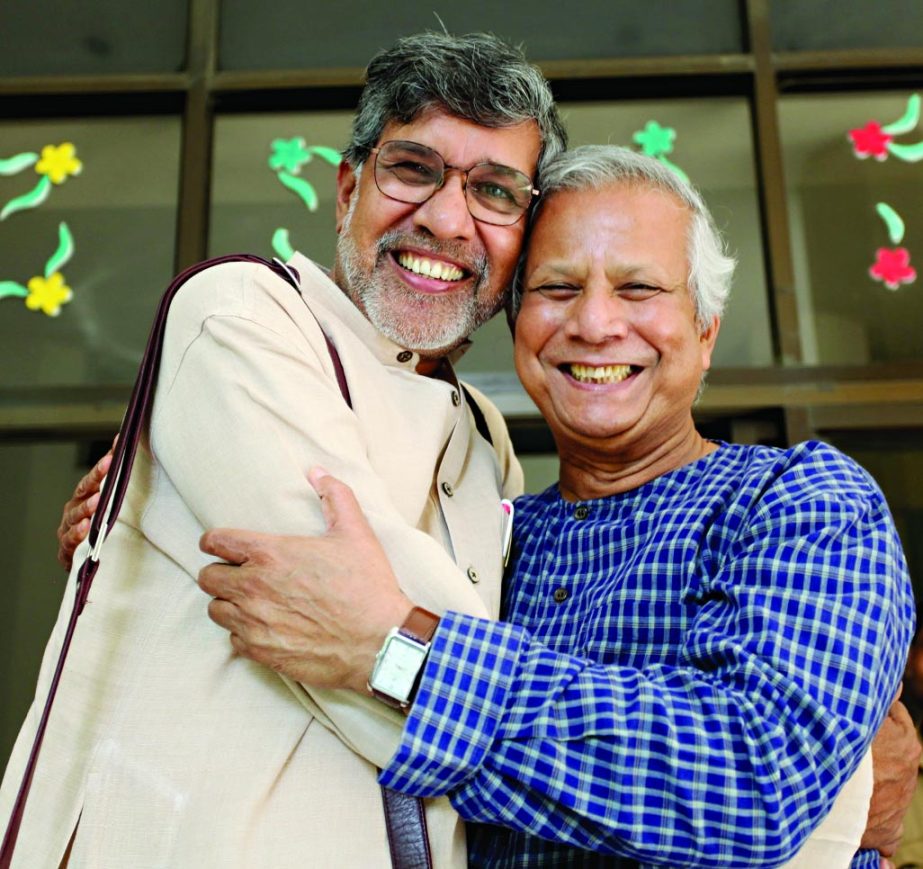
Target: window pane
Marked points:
292	38
847	315
817	25
120	211
48	37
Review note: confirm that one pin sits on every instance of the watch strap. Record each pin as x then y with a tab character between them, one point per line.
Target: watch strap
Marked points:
420	625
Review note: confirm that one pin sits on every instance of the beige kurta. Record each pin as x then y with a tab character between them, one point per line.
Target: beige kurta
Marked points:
175	752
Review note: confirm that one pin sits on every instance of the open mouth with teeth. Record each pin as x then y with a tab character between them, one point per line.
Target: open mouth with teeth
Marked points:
599	373
429	268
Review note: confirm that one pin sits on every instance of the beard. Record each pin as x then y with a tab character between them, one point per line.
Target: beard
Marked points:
432	324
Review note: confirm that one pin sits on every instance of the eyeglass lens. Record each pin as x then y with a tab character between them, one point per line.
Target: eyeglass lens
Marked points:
410	172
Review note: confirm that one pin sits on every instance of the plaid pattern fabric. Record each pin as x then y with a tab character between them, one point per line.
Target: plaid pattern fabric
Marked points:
689	670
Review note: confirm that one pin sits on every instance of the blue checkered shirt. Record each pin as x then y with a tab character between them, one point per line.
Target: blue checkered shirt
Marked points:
690	671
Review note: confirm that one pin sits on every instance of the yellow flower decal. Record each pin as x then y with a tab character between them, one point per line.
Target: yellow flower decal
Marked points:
58	162
48	294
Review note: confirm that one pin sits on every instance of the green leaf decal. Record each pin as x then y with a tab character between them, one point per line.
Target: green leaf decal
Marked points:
908	153
11	288
908	120
674	168
331	155
64	252
33	198
12	165
892	221
281	245
302	188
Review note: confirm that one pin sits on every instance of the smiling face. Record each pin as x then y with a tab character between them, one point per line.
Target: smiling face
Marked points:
428	275
607	343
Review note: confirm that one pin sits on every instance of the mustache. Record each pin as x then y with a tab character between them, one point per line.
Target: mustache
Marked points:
396	239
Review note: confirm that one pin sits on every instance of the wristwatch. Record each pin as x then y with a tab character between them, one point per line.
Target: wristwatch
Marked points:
400	660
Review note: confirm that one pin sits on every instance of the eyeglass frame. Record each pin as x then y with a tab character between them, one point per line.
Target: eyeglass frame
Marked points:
533	192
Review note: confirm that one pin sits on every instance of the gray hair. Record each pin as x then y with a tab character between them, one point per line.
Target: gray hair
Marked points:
591	167
478	77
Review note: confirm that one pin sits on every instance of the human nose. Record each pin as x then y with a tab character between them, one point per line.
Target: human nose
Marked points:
597	315
445	214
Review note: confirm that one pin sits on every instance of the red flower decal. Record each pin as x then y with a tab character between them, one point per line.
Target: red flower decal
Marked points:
893	267
870	141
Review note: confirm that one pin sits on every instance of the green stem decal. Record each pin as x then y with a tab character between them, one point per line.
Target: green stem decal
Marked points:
281	245
12	165
64	252
908	120
674	168
331	155
300	187
33	198
892	221
11	288
908	153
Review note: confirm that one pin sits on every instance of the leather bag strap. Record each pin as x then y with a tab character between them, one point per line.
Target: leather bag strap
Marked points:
110	502
406	825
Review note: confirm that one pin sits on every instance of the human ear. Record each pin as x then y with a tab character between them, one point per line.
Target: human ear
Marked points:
346	185
707	341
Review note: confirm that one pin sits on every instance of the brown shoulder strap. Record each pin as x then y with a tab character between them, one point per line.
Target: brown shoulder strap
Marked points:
406	825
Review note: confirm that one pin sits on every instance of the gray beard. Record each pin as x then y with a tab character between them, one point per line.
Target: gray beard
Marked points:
432	325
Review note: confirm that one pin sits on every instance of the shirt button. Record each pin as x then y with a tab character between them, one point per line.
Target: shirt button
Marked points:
447	488
456	398
581	512
473	575
561	595
404	356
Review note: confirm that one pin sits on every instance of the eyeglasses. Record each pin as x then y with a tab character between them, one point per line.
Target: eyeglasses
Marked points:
412	173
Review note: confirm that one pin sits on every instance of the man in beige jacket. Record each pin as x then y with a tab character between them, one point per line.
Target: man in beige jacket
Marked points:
171	750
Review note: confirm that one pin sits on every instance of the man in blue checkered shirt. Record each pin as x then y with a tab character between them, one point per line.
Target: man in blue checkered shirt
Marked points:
701	638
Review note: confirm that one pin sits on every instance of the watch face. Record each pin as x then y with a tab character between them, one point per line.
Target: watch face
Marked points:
398	666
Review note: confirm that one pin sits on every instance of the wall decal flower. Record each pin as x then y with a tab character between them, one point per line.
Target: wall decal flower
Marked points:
657	141
49	291
55	165
59	162
877	140
48	294
289	154
870	141
892	265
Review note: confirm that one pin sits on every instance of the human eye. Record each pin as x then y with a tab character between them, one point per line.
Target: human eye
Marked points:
409	163
557	291
499	187
495	192
410	171
638	291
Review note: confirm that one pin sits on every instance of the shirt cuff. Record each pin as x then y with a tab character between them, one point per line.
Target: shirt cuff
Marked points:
458	708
